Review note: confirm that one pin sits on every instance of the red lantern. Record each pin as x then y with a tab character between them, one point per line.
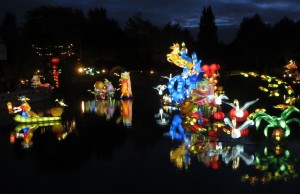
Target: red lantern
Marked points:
214	67
215	164
55	60
244	132
209	70
219	115
205	67
232	114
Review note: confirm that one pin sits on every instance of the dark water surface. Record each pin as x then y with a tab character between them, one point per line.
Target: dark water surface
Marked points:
98	152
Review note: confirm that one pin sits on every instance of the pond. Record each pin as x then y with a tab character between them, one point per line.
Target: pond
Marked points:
123	146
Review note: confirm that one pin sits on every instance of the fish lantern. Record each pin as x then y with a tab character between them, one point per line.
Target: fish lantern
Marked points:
232	114
219	115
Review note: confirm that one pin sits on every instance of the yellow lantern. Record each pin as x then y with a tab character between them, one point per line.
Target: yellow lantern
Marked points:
9	107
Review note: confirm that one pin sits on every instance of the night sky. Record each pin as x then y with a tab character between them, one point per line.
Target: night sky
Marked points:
228	13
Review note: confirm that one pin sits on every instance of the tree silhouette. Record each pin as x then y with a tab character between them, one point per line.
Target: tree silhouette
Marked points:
207	42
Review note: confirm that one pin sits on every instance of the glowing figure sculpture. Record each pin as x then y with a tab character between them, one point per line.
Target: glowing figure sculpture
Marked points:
180	86
25	108
203	94
125	85
160	89
99	90
175	56
163	117
176	88
237	152
110	90
240	113
61	102
219	98
36	82
236	131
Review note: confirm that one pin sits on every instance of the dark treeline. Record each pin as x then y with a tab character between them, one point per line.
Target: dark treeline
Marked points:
99	41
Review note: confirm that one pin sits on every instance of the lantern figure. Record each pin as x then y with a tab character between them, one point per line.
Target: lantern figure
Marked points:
12	138
9	107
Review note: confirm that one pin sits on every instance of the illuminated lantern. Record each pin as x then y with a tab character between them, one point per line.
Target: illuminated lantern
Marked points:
12	138
219	115
278	134
99	85
232	114
244	132
214	67
205	68
9	107
55	60
213	135
215	163
187	106
210	69
56	111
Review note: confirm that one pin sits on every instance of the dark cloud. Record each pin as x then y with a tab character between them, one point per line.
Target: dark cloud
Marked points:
186	12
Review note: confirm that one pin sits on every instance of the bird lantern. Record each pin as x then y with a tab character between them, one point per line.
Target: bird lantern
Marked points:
233	114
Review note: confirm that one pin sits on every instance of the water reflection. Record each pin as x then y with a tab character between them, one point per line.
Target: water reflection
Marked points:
100	107
270	163
24	133
120	110
275	164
